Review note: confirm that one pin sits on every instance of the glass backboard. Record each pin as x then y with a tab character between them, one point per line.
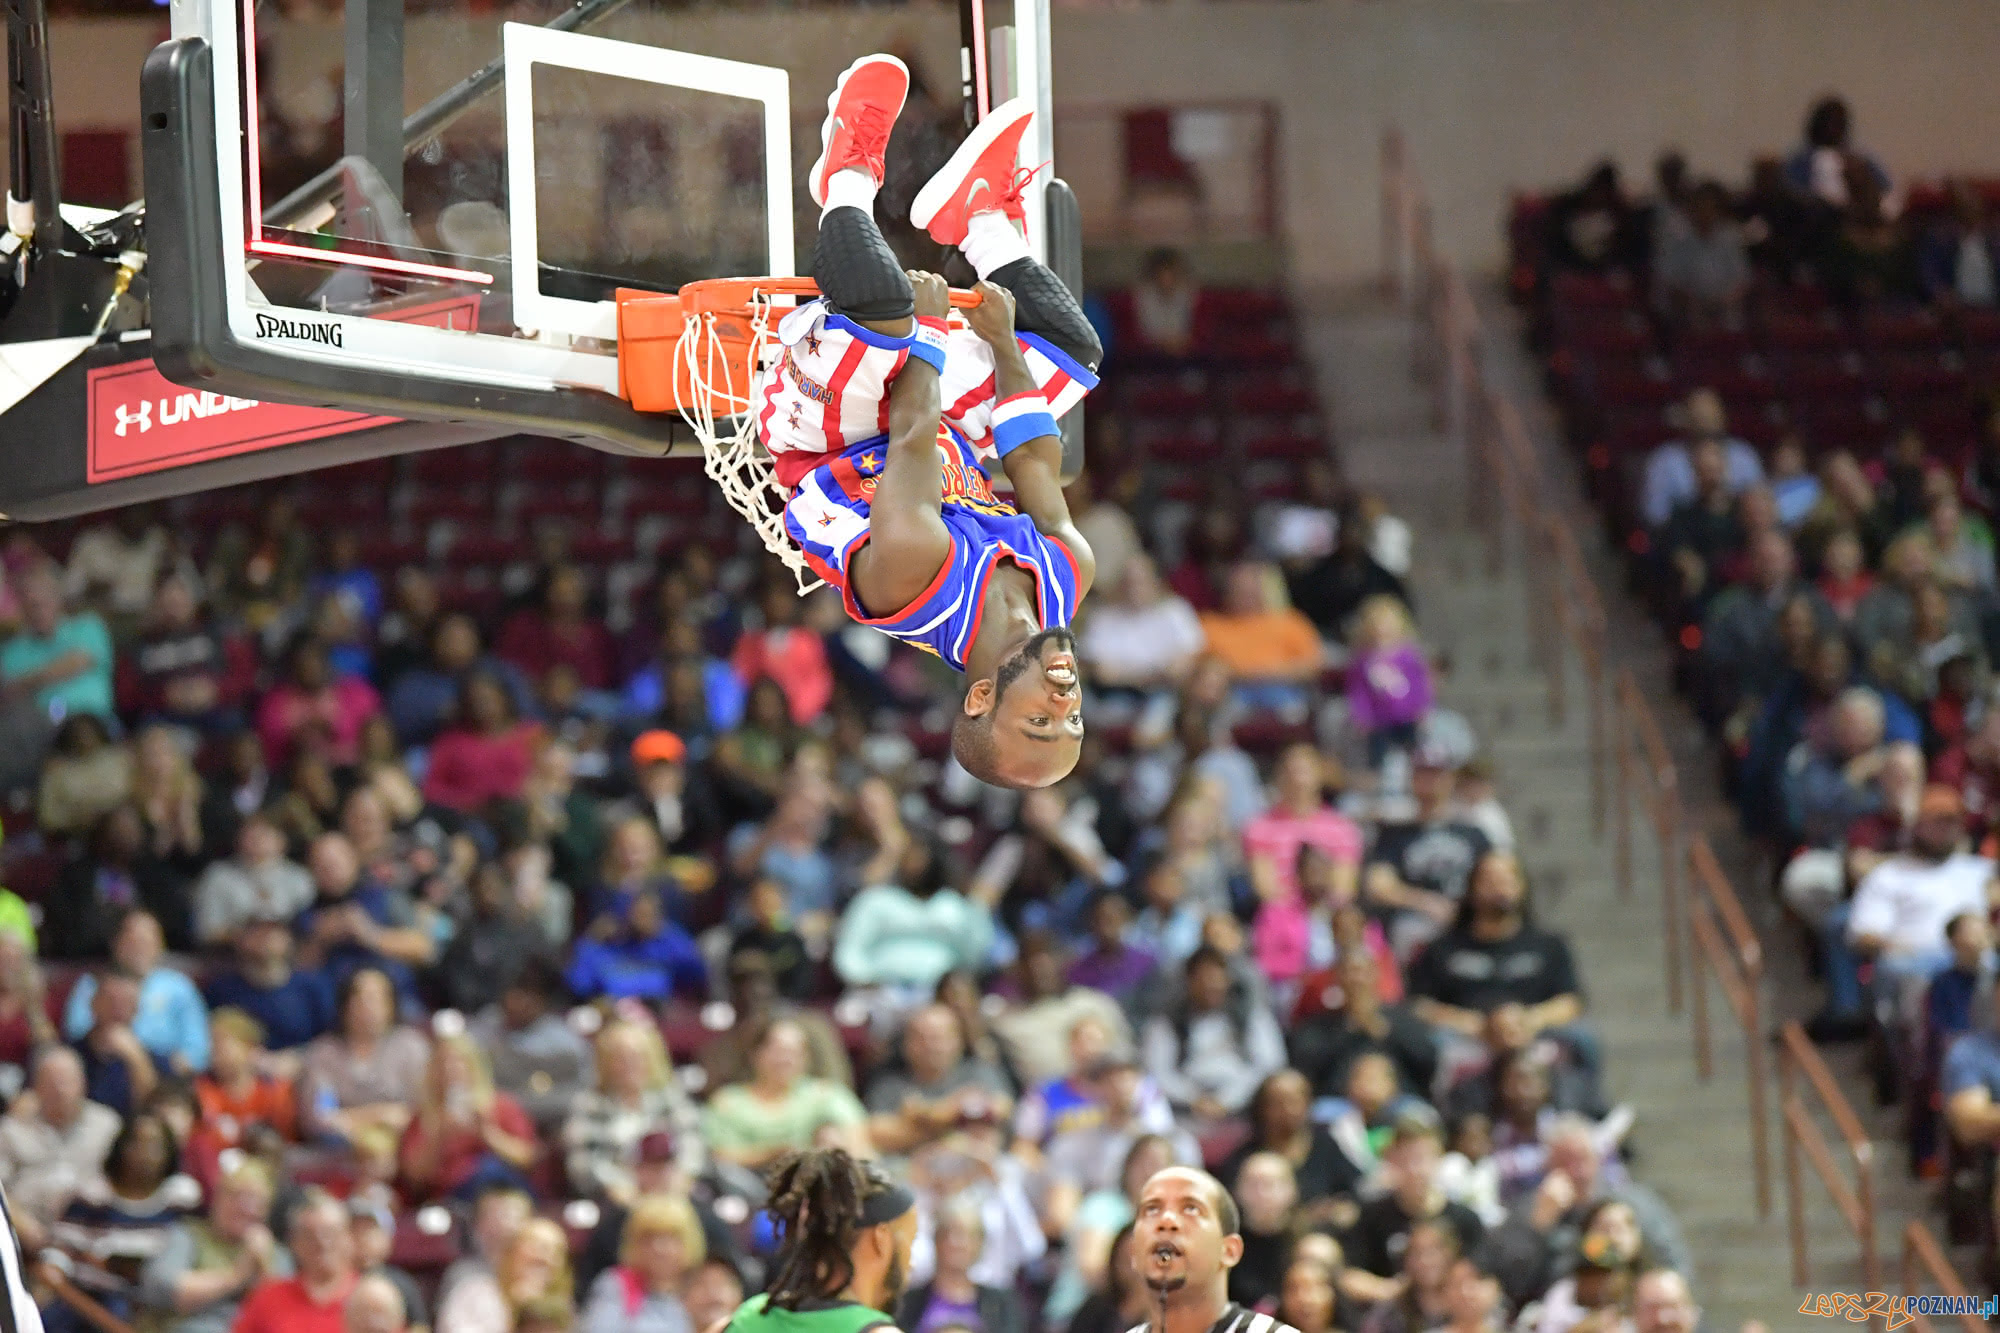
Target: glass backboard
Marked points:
446	193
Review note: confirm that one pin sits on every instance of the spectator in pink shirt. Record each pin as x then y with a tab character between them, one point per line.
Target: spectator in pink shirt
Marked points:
1388	680
788	653
1299	933
560	632
1299	815
485	755
312	706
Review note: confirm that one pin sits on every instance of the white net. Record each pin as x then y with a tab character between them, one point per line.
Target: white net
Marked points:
717	410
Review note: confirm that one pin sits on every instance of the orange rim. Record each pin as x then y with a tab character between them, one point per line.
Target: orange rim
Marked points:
715	296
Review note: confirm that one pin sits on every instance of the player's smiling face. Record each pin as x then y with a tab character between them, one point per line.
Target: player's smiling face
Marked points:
1038	710
1177	1236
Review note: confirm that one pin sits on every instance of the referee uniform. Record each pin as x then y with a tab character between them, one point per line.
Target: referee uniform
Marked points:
1236	1319
18	1313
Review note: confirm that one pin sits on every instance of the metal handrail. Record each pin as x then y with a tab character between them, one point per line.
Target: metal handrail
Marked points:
1725	939
1856	1202
1922	1255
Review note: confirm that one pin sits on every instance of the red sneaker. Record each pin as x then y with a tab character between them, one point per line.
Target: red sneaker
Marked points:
859	115
984	174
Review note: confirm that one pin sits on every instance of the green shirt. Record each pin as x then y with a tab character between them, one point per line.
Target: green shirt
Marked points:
737	1120
755	1316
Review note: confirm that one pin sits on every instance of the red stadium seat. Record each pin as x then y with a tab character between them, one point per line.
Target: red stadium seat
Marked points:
387	553
1914	328
1797	331
1593	291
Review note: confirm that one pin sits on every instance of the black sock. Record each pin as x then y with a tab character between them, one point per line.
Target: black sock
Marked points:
1043	306
857	272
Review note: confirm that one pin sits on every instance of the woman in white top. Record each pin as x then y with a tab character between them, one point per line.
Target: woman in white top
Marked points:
1143	639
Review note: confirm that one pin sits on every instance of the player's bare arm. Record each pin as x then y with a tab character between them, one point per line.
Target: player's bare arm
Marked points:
1034	468
907	541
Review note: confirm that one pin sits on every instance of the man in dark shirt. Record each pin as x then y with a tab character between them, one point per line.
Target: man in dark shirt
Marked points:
1496	982
293	1005
1703	530
489	949
183	669
1379	1236
1352	1021
374	1229
358	923
1328	590
1417	869
1493	962
117	1072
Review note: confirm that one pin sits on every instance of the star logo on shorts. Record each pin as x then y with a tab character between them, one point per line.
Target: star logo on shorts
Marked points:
796	408
869	463
826	520
812	343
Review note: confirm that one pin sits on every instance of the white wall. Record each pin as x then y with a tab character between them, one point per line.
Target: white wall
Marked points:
1491	94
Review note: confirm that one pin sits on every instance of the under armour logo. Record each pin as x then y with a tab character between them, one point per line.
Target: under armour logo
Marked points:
143	418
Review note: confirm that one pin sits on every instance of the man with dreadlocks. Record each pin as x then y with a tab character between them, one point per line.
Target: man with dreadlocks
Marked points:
844	1237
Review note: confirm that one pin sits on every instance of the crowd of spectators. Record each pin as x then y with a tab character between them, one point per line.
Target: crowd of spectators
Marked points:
1789	400
379	962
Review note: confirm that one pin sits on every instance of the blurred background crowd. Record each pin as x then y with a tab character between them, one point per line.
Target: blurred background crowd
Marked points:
437	887
1788	397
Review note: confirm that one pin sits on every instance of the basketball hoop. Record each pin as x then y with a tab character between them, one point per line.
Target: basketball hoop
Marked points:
699	352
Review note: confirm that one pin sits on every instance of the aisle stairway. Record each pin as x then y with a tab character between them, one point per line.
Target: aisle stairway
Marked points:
1692	1138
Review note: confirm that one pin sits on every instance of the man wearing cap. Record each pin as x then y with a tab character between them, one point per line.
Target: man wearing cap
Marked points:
1898	915
670	794
374	1230
1187	1237
1375	1246
653	1172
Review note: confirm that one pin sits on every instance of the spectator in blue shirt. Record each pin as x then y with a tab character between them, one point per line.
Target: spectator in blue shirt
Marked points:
1670	480
294	1005
118	1071
650	958
722	690
1954	992
172	1021
62	662
423	697
1971	1086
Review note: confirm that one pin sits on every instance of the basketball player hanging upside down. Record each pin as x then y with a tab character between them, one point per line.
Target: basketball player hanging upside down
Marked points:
892	508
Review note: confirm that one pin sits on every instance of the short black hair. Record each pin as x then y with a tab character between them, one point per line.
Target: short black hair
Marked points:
1207	956
1226	1212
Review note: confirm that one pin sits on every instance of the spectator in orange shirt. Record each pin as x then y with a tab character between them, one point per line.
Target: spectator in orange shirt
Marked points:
1273	651
788	653
238	1093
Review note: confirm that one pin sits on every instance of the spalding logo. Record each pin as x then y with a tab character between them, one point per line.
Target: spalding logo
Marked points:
298	330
